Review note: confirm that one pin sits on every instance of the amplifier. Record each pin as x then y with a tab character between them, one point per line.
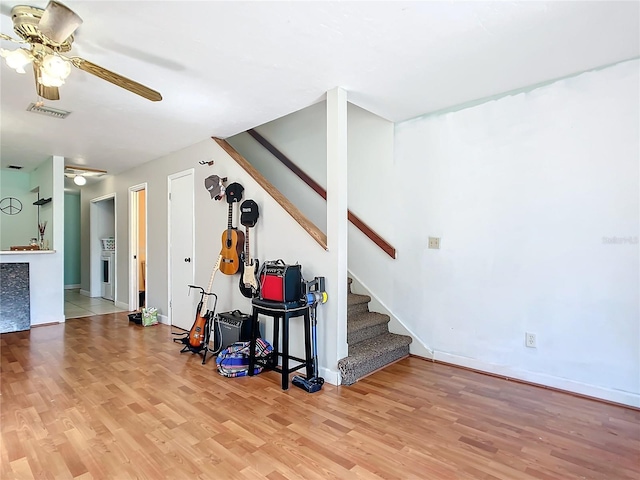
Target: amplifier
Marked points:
234	327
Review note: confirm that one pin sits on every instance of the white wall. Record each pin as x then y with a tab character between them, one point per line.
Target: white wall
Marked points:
302	137
106	219
525	192
275	236
372	197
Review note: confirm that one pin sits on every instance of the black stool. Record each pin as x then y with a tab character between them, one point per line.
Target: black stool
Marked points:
280	311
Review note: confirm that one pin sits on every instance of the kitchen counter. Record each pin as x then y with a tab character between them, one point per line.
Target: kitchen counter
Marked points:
45	279
25	252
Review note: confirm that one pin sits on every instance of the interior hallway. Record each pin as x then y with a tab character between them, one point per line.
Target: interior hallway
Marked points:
77	305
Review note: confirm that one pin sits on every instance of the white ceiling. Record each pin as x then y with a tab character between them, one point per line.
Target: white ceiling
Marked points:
226	66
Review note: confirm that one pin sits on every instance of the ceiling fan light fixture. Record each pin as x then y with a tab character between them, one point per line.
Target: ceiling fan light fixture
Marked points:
79	180
17	59
54	70
49	32
49	80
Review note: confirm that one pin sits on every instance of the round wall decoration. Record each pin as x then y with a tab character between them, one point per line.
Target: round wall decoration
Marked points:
10	205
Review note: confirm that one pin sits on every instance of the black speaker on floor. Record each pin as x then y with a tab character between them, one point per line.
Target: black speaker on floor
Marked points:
234	327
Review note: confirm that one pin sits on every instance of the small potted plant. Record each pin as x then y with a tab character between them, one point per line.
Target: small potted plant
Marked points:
41	228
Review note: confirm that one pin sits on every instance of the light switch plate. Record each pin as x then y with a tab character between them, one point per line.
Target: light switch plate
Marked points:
434	242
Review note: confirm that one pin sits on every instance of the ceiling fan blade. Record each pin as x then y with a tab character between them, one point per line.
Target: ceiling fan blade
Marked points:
10	39
58	22
116	79
50	93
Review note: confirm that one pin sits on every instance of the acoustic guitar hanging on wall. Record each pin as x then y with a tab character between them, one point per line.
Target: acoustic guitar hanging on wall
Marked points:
232	238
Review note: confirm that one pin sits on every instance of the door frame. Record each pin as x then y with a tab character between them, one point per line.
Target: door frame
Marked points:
189	172
134	222
95	247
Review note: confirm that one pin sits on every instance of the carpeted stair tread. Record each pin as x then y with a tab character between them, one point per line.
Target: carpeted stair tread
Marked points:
366	319
370	355
365	325
357	303
356	299
377	345
371	346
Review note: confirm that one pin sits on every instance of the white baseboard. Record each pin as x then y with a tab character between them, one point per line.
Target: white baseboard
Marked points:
52	320
86	293
71	287
617	396
330	376
163	319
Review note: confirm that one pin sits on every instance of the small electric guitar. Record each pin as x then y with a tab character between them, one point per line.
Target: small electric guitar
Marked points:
249	284
197	332
232	238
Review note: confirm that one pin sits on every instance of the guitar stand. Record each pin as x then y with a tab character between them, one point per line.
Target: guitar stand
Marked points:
208	326
211	319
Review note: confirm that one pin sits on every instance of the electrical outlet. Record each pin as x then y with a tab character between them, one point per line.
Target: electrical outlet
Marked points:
530	340
434	242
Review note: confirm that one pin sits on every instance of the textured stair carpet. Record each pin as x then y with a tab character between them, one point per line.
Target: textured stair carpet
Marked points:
371	346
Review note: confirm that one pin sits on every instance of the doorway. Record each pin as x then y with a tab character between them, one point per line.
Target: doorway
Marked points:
102	213
137	246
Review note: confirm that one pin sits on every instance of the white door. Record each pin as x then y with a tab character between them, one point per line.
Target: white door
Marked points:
181	248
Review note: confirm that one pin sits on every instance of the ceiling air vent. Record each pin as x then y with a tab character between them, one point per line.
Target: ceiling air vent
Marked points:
51	112
16	167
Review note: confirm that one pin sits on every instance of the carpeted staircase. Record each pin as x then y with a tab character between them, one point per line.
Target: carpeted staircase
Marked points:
371	346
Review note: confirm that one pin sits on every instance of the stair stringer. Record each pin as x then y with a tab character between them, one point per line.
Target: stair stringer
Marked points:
417	346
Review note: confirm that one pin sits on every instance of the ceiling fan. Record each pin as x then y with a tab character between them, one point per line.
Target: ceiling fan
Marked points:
49	33
79	174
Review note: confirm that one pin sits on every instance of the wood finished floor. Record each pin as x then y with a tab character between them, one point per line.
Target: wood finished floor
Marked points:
101	398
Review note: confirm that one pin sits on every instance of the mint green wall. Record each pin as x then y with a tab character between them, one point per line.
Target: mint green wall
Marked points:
71	239
18	229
